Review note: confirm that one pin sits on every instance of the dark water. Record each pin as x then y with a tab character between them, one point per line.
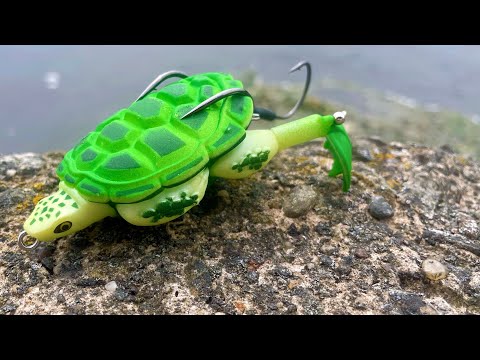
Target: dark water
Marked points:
39	114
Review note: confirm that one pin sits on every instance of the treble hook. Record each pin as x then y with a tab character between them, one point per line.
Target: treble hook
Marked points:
270	115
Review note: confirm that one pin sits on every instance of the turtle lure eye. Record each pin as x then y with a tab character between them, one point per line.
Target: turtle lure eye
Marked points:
65	226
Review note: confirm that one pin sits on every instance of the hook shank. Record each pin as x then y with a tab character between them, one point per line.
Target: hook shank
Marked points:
217	97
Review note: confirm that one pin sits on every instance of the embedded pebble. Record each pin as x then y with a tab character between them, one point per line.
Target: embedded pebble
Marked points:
380	209
361	303
434	270
10	173
362	154
328	249
283	272
408	303
291	309
299	202
293	283
326	261
111	286
361	253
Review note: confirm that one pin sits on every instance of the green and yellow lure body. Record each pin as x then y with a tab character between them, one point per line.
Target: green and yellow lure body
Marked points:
151	162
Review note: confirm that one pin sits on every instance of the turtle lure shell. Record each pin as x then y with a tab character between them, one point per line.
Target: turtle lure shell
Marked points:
144	148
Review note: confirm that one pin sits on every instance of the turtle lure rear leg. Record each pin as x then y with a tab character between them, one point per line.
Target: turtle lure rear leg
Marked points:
260	146
252	155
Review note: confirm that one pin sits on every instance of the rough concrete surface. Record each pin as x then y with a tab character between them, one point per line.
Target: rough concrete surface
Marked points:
404	240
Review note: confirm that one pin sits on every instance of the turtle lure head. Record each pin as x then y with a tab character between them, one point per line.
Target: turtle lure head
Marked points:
339	145
62	213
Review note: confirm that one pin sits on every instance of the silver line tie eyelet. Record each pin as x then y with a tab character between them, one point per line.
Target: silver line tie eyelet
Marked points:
28	245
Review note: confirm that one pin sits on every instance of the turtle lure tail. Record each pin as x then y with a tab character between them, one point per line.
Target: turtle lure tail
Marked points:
339	145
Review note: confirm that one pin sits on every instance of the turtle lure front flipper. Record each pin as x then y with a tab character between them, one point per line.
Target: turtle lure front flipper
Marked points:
339	145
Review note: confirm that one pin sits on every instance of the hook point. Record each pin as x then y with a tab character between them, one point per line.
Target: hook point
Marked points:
298	66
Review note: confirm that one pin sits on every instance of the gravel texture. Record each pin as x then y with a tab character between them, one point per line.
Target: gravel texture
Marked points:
404	240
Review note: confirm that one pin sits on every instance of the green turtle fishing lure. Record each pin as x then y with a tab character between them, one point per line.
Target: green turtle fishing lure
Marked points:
151	162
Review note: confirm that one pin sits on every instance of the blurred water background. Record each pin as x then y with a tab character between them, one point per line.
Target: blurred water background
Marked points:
51	96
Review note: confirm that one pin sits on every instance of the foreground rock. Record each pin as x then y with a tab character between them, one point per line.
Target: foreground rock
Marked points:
240	253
